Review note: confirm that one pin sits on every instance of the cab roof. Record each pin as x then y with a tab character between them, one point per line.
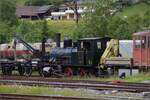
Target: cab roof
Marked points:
94	38
142	33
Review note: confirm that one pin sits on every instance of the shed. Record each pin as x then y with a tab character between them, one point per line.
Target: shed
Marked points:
33	12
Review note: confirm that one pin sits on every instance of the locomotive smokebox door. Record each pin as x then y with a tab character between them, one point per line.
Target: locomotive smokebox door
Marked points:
91	49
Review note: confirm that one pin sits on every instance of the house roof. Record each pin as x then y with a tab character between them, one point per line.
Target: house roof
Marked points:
31	10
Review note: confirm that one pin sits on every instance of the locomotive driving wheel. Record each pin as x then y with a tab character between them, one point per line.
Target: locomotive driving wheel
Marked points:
3	70
40	71
7	71
68	72
21	70
28	71
82	72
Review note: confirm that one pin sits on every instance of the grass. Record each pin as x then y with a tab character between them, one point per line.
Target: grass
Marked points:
34	90
66	27
20	2
48	91
139	78
135	78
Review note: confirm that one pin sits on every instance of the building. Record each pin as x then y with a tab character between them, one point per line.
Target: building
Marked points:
33	12
66	13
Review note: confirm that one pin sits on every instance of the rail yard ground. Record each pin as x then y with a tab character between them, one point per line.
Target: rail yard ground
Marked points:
135	78
67	92
79	92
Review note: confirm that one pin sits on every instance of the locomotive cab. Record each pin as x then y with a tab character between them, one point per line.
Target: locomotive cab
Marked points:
80	57
90	50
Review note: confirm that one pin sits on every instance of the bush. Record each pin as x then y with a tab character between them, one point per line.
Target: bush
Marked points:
7	12
5	32
120	25
33	31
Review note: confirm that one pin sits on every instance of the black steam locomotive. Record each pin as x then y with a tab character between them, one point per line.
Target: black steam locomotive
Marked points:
80	57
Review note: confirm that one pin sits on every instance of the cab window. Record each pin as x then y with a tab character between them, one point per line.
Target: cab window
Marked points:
148	41
99	45
137	42
144	42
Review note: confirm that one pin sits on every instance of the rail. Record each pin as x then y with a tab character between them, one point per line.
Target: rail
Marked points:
96	85
34	97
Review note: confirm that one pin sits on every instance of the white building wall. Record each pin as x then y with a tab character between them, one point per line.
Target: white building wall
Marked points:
68	13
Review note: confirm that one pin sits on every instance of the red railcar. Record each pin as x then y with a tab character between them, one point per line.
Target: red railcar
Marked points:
141	49
10	53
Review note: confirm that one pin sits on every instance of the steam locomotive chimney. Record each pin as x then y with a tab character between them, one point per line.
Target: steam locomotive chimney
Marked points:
43	46
58	39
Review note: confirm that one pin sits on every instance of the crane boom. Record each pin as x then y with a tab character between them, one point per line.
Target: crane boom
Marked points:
35	52
112	50
29	47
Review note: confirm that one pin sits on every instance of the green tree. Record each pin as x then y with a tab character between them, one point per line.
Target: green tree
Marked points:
8	19
146	20
29	31
97	18
44	33
7	11
103	19
4	32
119	28
37	2
33	31
123	28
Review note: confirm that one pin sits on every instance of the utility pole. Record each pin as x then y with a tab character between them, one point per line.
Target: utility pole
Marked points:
76	10
14	47
74	6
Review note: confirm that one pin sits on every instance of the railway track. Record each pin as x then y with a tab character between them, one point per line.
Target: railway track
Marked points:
33	97
36	78
96	85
